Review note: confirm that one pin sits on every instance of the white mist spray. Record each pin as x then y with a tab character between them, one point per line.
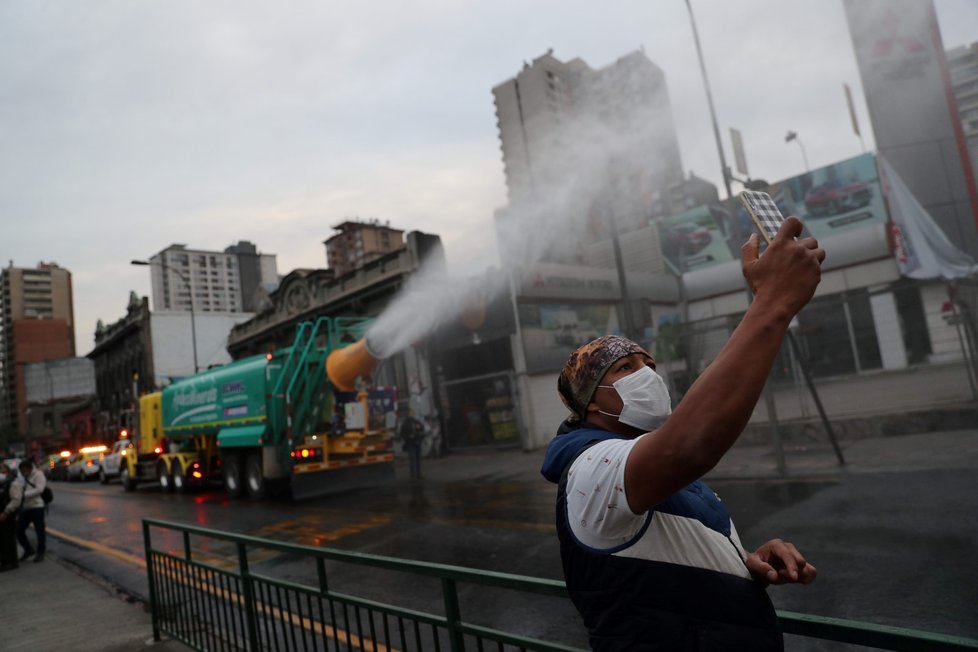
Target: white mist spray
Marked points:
609	150
428	300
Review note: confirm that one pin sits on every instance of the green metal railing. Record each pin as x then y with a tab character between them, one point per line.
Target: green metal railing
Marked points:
212	596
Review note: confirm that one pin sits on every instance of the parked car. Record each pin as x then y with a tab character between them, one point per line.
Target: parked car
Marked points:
111	461
59	470
85	465
837	196
48	464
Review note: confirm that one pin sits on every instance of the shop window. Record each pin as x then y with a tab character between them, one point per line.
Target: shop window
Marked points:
823	338
480	412
913	324
837	336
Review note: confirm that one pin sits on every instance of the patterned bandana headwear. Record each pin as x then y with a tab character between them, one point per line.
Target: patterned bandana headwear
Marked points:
587	365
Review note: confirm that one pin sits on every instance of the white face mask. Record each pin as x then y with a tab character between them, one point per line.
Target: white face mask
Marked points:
3	478
645	399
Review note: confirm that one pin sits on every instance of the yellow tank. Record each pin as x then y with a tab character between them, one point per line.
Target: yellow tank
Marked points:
344	366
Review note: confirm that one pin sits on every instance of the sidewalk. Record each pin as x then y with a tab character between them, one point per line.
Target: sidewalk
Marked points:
56	606
930	451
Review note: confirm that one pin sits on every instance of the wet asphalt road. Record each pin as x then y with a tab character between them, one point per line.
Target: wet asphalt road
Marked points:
891	548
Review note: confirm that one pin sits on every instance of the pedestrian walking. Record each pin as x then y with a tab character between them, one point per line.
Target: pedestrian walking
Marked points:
411	433
32	511
8	524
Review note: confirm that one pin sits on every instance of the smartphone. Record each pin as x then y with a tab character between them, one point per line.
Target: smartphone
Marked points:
765	213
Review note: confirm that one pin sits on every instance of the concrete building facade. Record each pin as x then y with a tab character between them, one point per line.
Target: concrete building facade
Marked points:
56	390
907	84
357	243
211	281
123	361
36	324
962	65
585	148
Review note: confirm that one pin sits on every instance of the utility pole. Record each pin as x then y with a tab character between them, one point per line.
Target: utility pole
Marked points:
709	100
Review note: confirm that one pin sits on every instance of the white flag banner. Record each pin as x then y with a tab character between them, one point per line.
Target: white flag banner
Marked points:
922	249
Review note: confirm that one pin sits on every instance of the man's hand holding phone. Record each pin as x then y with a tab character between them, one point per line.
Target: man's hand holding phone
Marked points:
789	271
764	212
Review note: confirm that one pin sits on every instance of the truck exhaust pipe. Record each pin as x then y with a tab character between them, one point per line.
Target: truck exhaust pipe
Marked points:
344	366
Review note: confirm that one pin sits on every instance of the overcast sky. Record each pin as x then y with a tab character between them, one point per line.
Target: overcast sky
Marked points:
128	126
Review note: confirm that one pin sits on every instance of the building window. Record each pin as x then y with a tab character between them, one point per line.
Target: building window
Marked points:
836	335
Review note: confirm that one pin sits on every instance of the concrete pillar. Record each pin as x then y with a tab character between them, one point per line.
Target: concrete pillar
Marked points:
886	319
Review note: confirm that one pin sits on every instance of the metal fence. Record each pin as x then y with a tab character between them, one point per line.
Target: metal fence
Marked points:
213	601
963	295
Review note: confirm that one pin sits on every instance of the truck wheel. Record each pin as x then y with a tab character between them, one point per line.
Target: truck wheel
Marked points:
232	475
179	479
128	484
163	477
255	483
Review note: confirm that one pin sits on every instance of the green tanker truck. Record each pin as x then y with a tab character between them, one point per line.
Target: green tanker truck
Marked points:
273	421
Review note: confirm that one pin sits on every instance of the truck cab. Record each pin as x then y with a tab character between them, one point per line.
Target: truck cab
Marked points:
138	461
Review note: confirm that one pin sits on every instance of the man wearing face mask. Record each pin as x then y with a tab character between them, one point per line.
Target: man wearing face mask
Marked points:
651	557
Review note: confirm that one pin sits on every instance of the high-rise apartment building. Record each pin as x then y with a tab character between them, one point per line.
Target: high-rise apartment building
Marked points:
356	243
228	281
962	64
37	325
587	143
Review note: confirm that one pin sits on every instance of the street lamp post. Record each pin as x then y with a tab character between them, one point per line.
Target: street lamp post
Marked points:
792	136
193	324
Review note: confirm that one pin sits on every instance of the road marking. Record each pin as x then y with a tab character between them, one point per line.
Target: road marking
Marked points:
300	530
98	547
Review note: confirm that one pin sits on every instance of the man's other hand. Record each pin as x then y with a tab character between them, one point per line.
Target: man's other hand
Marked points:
779	562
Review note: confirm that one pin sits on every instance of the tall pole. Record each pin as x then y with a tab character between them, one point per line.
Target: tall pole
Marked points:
193	324
709	101
768	393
